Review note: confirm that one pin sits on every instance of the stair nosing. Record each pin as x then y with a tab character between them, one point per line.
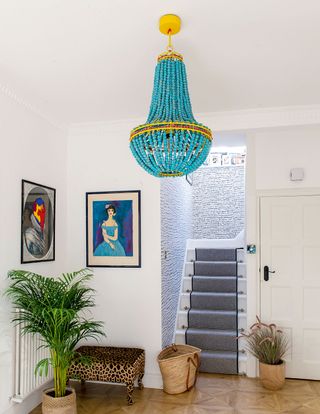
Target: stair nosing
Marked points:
230	294
217	261
228	277
214	311
218	352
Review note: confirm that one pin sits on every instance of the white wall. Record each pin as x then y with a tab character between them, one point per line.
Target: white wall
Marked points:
176	228
33	149
277	151
128	300
270	156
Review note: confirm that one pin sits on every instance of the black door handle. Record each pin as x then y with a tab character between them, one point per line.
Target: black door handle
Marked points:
266	272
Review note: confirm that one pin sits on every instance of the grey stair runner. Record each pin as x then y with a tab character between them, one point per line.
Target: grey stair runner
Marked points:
213	339
213	319
219	362
213	316
216	255
215	268
226	284
213	300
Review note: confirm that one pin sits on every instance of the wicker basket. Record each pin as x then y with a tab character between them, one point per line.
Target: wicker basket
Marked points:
179	366
59	405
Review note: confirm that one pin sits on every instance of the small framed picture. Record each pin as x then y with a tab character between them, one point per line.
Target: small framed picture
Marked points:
215	160
226	160
238	159
38	204
113	229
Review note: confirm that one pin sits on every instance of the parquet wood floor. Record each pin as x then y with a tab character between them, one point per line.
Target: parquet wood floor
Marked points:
216	394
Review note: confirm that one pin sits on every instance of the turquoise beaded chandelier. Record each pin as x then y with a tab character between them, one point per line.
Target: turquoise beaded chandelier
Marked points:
171	143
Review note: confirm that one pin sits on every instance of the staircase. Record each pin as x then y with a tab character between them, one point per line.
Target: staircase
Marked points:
212	307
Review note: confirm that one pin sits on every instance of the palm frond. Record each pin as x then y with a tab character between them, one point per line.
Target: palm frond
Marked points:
55	308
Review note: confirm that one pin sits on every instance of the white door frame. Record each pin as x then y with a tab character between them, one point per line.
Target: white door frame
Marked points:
255	282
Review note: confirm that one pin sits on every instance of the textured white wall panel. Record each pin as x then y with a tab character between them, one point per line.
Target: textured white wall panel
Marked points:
176	227
218	202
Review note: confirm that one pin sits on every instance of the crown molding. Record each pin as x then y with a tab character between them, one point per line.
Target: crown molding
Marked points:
102	127
12	95
262	118
224	121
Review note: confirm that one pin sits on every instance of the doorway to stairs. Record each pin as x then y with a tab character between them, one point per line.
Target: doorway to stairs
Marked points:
198	210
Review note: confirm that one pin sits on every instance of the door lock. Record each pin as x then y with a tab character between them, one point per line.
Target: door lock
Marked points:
266	272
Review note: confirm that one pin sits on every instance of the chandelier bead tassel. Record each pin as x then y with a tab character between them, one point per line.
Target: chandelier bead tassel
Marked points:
171	143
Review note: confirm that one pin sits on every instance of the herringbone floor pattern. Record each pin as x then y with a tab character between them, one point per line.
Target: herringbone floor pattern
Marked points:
216	394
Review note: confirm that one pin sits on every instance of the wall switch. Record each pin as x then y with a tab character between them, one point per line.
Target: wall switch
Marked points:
251	249
296	174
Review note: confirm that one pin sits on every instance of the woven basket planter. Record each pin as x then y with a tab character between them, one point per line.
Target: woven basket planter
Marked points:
179	366
272	377
59	405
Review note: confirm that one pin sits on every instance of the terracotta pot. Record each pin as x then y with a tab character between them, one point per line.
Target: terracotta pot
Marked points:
272	376
59	405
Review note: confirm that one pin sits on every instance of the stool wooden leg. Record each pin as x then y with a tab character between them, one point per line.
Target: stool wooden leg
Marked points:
140	385
130	388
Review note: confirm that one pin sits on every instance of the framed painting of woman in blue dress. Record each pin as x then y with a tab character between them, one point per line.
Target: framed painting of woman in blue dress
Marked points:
113	229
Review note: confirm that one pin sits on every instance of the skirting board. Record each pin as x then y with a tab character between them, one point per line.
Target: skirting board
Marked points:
34	399
29	403
153	381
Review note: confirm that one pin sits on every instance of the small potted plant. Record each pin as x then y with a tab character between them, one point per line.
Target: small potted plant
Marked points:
269	345
54	308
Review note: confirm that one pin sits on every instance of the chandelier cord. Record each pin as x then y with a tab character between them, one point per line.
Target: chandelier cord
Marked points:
170	47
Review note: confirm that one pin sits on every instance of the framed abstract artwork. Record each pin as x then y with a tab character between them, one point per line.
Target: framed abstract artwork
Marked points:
113	229
38	204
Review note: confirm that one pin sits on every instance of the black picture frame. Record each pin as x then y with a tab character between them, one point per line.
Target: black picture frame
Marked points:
38	218
113	240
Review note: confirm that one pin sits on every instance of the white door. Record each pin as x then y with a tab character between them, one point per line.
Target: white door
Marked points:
290	246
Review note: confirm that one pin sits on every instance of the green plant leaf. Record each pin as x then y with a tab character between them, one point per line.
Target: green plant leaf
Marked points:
58	310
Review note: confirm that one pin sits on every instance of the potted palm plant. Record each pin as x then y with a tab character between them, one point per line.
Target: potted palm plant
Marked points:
269	345
56	309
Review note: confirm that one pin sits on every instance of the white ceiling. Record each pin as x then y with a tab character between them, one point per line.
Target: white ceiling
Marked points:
93	60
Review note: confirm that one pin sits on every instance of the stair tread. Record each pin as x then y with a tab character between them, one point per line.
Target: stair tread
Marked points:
214	277
184	311
207	331
227	294
218	248
213	312
205	353
217	261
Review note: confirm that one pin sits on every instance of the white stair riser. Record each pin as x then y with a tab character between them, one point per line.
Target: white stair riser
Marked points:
180	338
188	269
191	255
187	284
242	366
185	301
242	269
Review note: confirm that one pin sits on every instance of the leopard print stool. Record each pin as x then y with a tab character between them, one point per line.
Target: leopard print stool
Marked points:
108	364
